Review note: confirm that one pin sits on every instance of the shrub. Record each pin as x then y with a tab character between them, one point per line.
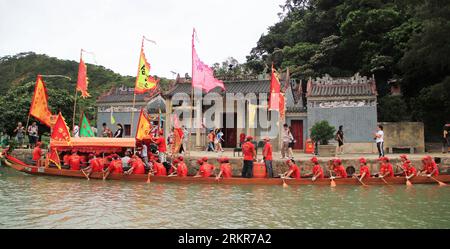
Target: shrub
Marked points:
322	131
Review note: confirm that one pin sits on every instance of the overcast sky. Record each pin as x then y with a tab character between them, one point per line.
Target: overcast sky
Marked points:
112	29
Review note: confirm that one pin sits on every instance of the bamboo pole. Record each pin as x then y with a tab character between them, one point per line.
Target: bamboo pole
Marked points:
74	108
132	114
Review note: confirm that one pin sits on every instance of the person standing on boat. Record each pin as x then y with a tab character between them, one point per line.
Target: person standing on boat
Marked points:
20	133
125	160
226	171
162	149
249	153
267	157
37	154
119	131
144	155
379	139
33	134
363	170
293	171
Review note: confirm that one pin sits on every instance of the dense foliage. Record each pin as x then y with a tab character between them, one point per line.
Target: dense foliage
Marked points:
406	40
18	76
322	131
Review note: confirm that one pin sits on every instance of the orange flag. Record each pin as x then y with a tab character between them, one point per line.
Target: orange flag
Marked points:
144	126
60	130
54	157
82	82
39	103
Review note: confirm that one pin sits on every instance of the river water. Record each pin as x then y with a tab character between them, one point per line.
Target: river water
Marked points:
50	202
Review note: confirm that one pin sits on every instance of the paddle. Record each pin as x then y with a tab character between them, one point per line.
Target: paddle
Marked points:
148	178
365	185
332	183
382	178
440	183
84	173
284	182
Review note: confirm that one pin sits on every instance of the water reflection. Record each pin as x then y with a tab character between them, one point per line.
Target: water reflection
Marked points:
48	202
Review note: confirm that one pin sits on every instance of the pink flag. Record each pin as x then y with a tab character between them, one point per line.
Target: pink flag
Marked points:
202	74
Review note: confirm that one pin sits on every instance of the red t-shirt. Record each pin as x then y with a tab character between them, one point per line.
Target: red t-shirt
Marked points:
295	171
364	169
115	167
161	142
227	170
242	138
160	170
409	170
66	159
430	167
387	168
206	170
74	162
248	150
268	150
317	169
97	165
182	169
37	153
340	171
138	166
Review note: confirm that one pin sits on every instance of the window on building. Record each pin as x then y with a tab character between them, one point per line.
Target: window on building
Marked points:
127	128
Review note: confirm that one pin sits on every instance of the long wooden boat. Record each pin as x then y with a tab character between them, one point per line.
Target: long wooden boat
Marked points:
34	170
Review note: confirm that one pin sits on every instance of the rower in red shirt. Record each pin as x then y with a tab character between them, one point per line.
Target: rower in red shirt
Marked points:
182	169
317	170
206	169
408	170
137	166
115	166
293	171
386	169
364	171
74	161
97	164
339	169
430	167
226	171
37	154
159	169
66	159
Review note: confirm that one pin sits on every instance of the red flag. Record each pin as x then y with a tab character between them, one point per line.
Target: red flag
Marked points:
275	86
39	103
202	74
54	157
82	82
282	106
60	130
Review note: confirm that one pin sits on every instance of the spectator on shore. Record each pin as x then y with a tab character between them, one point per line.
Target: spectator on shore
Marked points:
211	136
291	144
106	131
445	138
33	134
379	139
286	139
119	131
218	140
339	137
20	134
241	139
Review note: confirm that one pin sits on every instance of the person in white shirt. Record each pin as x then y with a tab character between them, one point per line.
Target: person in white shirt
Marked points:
379	139
76	131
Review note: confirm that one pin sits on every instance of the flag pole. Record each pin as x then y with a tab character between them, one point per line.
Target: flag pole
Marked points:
135	85
188	151
76	95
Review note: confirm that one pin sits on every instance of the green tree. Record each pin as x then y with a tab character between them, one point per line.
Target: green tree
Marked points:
323	132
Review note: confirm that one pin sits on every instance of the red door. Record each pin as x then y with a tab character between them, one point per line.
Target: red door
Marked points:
229	131
297	132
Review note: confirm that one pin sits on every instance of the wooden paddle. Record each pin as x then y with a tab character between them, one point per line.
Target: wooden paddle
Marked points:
332	183
440	183
284	183
148	178
365	185
84	173
382	178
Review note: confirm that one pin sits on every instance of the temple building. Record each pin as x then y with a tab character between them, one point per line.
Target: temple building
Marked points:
350	102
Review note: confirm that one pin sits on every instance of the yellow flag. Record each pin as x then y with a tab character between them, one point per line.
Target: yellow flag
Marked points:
144	82
251	115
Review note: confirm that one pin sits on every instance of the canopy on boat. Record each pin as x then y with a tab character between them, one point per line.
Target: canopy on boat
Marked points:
94	144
